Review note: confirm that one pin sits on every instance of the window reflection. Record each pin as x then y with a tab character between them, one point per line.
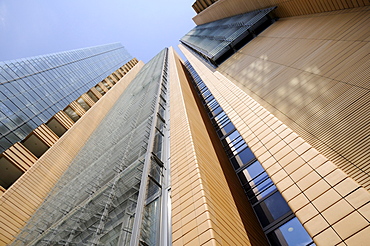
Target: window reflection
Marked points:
72	114
150	224
158	144
271	209
291	233
244	157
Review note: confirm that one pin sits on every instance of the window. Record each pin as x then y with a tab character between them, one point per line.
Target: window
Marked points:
160	125
158	144
291	233
161	111
98	88
271	209
115	76
106	84
83	104
72	114
93	97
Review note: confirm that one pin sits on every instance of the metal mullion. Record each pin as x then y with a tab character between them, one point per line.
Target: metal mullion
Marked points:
263	199
280	221
165	238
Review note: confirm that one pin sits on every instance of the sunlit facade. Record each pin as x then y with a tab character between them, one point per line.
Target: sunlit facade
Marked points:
100	199
259	137
289	101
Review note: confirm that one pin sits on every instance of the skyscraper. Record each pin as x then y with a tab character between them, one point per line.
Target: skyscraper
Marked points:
297	93
33	89
26	172
260	137
94	201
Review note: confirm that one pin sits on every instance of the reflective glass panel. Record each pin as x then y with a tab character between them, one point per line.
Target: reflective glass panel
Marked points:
271	208
291	233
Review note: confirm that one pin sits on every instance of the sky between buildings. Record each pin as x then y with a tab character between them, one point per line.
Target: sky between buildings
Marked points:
144	27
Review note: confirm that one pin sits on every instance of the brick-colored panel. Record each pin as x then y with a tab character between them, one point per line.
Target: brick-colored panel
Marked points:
204	207
20	156
63	119
2	190
312	75
87	99
309	182
286	8
45	134
19	202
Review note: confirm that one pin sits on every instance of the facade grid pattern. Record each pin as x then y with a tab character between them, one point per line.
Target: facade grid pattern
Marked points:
95	200
275	216
33	89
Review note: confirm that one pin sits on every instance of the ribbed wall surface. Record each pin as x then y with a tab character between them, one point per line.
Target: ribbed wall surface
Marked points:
312	73
20	156
201	5
204	210
332	207
286	8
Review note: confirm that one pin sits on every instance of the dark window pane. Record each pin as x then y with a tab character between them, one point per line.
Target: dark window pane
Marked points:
226	130
217	111
242	158
158	144
271	209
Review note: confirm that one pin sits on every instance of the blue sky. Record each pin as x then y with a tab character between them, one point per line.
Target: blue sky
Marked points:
144	27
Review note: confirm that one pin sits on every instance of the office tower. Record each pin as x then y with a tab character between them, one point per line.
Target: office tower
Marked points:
297	92
31	167
33	89
224	147
95	200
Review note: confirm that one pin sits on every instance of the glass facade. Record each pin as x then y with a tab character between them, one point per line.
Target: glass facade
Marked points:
215	41
276	218
112	192
33	89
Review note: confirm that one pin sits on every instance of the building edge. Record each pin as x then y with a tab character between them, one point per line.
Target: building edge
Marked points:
287	8
324	198
20	201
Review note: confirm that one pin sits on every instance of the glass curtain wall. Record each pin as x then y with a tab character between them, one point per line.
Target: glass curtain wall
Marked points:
96	201
33	89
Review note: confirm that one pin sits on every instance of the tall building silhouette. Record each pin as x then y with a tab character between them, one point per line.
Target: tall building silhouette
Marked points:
260	137
33	89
